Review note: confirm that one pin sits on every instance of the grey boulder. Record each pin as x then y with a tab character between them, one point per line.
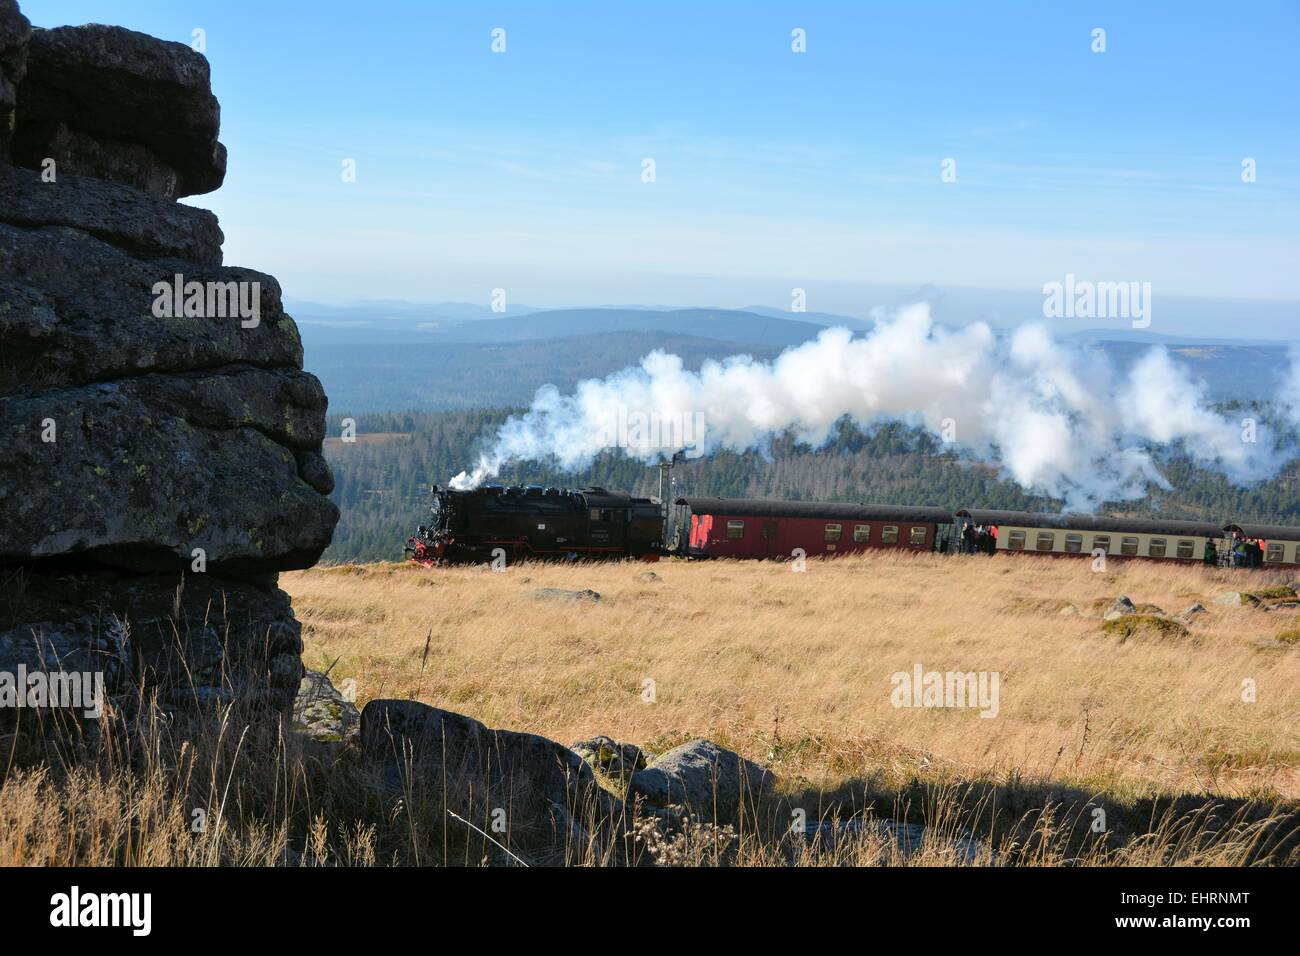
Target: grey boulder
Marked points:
1121	606
715	784
532	795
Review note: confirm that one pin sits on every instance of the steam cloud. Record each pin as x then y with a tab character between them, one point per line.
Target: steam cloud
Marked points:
1058	419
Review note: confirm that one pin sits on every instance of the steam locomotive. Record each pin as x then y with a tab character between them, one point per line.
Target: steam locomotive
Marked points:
493	523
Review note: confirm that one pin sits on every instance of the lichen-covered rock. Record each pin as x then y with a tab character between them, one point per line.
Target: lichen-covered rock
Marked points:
162	444
611	756
715	784
72	153
140	472
322	711
533	795
135	222
74	310
15	30
190	639
125	92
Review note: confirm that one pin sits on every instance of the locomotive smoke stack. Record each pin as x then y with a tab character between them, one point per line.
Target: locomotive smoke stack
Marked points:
1057	418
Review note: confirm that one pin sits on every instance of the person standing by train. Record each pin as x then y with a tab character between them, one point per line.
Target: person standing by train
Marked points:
967	538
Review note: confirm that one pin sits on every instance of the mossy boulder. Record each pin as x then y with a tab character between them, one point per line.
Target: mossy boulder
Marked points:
612	757
1144	625
1281	595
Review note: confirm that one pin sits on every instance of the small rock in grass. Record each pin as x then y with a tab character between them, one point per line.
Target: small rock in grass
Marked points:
560	594
1122	607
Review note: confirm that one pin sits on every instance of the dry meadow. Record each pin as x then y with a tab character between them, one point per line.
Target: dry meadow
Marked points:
793	670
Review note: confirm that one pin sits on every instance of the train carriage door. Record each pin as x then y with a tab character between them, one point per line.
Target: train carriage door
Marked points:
770	529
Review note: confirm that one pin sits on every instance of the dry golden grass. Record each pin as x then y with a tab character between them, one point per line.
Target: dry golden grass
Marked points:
793	670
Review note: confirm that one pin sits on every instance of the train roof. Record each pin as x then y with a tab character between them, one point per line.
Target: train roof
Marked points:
849	511
1269	532
1082	522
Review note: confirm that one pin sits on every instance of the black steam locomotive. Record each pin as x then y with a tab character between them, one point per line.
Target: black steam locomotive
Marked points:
493	522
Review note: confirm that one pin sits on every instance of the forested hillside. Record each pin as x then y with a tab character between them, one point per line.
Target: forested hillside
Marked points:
384	477
388	377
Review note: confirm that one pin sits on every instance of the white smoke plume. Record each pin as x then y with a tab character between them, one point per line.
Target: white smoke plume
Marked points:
1289	398
1058	419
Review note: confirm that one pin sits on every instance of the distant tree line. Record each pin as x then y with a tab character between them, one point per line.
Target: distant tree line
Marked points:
383	480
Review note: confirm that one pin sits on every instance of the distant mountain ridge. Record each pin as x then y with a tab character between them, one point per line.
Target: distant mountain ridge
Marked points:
389	355
395	323
451	376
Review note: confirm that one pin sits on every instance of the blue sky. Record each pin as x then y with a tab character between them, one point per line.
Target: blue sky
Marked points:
774	169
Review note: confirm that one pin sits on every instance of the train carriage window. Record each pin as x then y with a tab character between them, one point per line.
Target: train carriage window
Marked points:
889	534
861	533
917	536
1186	548
1016	541
1157	548
1274	552
833	532
1128	546
1101	542
735	529
1074	543
1046	540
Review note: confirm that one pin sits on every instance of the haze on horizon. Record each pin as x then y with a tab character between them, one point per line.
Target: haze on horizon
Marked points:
774	170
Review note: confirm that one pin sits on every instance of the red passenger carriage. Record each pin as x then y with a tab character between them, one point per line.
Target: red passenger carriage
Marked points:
765	528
